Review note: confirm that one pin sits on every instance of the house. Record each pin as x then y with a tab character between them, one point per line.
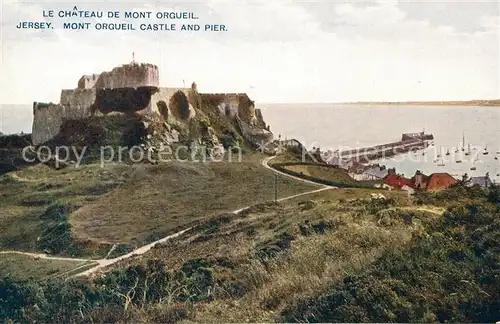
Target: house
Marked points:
420	180
439	181
375	172
291	143
484	181
397	181
410	190
433	182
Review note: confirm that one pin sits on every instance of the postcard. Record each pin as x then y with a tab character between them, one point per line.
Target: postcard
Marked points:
249	161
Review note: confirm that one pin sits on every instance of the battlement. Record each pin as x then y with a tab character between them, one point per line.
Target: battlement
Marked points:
133	75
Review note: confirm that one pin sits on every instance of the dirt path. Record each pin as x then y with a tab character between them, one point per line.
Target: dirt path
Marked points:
266	165
45	256
103	263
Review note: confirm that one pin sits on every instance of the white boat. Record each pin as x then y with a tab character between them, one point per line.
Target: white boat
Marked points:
485	152
468	150
473	165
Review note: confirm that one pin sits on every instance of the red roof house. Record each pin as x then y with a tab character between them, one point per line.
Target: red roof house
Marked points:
398	181
439	181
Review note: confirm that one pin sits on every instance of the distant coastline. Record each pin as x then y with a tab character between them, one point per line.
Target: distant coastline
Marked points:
492	102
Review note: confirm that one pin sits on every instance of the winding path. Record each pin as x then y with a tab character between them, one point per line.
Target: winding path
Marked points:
102	263
266	165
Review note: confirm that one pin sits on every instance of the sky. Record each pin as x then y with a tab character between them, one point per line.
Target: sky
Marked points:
282	51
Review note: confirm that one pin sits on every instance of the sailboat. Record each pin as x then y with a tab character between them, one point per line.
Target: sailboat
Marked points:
448	152
468	150
485	150
473	165
463	142
441	163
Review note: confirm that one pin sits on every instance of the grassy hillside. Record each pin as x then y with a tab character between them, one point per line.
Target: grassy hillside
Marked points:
36	201
321	259
164	198
28	267
84	211
323	172
448	273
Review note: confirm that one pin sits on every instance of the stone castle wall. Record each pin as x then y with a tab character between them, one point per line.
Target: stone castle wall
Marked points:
78	99
133	88
232	104
166	95
82	103
47	119
131	75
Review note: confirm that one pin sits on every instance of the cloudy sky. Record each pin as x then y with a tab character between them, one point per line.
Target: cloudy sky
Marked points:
284	51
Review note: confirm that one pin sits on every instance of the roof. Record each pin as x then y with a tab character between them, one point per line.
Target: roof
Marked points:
356	167
377	172
292	141
483	181
398	181
440	181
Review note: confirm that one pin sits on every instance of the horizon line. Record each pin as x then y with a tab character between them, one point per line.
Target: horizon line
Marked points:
494	100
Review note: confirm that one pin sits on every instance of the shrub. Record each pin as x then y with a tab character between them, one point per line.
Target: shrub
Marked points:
450	275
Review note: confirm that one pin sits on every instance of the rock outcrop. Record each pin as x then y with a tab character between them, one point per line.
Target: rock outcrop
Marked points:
133	89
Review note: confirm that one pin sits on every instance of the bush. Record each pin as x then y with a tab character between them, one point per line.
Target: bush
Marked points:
451	275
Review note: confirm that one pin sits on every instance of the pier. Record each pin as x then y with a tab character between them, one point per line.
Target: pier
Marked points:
408	142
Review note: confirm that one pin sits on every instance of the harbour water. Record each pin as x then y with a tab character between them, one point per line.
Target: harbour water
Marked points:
336	126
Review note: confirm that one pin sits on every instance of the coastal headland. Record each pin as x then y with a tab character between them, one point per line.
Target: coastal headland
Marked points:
491	102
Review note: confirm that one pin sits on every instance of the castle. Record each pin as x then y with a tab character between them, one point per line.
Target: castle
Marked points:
134	88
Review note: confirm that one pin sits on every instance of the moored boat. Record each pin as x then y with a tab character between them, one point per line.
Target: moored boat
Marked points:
468	150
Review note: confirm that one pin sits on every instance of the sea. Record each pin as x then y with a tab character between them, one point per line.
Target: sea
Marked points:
344	126
347	126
